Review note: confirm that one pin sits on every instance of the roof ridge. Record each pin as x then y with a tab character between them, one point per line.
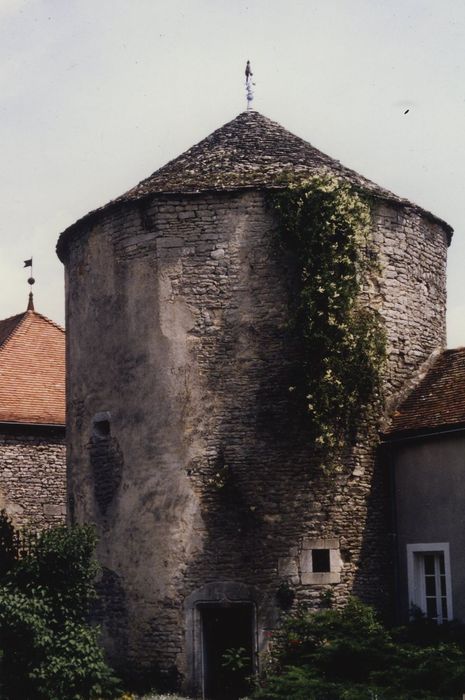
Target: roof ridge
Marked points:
21	318
49	320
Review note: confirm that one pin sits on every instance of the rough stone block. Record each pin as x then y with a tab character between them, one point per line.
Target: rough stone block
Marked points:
52	509
321	543
217	254
287	566
318	579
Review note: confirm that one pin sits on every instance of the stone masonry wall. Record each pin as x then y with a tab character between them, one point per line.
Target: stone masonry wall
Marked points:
33	479
178	328
412	252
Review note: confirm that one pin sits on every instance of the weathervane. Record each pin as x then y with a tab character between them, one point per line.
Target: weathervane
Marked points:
249	85
30	281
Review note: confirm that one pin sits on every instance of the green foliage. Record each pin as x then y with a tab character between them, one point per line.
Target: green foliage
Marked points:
9	543
326	225
60	561
49	651
221	478
235	659
348	654
285	596
152	696
347	642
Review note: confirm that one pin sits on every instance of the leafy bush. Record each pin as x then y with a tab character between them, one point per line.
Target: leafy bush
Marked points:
347	654
49	651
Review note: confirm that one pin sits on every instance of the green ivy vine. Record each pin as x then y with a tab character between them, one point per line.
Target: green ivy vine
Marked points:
326	225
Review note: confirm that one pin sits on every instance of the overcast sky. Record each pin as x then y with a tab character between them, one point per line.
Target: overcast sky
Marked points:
97	94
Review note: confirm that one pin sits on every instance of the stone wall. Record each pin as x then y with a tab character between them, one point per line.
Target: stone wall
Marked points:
178	330
412	252
33	477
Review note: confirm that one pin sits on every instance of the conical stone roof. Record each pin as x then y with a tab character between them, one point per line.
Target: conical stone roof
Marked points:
251	151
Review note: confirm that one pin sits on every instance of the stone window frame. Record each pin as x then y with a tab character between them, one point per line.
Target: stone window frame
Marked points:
310	577
415	576
298	566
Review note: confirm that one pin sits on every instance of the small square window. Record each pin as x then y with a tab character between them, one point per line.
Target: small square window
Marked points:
320	560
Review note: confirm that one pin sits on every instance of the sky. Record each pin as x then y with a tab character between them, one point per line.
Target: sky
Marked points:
95	95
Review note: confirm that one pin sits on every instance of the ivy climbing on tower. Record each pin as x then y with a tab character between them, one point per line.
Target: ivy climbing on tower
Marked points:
326	225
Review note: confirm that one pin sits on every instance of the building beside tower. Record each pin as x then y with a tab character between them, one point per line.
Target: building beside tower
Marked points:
183	446
423	451
32	420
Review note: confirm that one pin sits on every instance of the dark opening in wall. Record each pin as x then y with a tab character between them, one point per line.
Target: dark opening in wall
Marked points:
101	425
102	428
106	460
227	634
320	560
231	628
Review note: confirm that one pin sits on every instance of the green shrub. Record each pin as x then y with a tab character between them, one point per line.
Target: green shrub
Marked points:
345	643
347	654
49	651
59	561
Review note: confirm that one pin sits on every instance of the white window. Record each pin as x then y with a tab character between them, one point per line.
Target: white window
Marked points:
429	579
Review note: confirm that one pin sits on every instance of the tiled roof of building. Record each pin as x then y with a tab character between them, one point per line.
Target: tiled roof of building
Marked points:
32	370
248	152
439	399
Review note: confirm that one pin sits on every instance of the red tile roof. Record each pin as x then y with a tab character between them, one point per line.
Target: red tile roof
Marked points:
439	399
32	370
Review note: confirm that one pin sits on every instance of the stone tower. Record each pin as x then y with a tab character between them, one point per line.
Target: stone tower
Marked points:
183	449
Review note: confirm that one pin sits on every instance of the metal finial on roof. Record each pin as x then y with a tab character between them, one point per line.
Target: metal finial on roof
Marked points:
248	85
30	281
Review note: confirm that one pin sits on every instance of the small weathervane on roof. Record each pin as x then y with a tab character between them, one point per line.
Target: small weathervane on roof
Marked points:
30	281
249	85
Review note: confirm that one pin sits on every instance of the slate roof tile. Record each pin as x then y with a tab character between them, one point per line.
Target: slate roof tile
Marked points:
251	150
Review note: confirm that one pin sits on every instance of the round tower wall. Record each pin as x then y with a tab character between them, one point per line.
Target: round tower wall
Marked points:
184	449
